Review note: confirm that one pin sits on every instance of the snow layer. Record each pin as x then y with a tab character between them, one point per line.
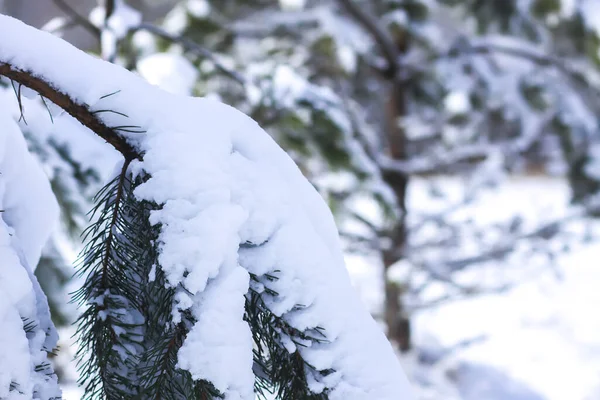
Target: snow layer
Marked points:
28	203
28	214
223	181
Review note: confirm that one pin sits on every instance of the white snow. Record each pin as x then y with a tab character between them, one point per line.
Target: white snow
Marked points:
29	212
223	181
590	11
457	102
171	72
122	19
292	5
113	29
30	208
199	8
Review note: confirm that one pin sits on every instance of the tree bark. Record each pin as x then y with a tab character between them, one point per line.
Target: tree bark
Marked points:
397	320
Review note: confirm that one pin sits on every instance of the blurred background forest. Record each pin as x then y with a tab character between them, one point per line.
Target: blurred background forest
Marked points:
456	141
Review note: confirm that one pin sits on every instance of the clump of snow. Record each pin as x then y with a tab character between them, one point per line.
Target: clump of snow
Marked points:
590	11
122	19
347	58
233	194
292	5
171	72
457	102
114	28
198	8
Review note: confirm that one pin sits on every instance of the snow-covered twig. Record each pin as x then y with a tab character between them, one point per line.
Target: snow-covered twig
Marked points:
463	48
467	154
544	231
193	47
435	162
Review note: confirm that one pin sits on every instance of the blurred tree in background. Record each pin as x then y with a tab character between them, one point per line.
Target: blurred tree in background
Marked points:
368	96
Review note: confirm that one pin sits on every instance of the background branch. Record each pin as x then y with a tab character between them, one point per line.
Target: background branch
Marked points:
191	46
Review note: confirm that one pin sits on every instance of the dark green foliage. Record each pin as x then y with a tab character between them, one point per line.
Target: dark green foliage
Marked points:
111	328
129	342
53	274
279	369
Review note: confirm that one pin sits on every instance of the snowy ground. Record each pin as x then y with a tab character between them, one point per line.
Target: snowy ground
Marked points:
539	341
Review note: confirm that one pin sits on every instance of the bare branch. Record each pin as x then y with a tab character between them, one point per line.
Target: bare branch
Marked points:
78	111
379	35
436	162
468	154
449	297
541	59
545	231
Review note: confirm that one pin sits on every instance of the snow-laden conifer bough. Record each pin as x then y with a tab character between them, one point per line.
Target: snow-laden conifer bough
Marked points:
213	268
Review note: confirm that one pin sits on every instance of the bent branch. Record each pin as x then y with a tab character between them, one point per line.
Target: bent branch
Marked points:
78	111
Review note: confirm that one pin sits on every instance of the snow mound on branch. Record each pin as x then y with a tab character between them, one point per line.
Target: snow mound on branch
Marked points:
233	203
223	182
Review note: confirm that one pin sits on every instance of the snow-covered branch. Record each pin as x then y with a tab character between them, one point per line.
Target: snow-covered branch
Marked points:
246	253
192	47
80	112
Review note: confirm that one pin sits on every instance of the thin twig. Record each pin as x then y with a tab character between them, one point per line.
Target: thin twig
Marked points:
545	231
113	222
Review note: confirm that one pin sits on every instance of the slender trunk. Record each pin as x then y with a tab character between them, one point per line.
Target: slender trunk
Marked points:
396	318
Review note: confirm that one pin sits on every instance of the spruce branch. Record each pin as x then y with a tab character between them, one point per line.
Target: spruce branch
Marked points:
80	112
111	328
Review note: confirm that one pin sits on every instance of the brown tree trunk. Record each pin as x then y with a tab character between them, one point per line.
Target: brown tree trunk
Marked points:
397	321
392	47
